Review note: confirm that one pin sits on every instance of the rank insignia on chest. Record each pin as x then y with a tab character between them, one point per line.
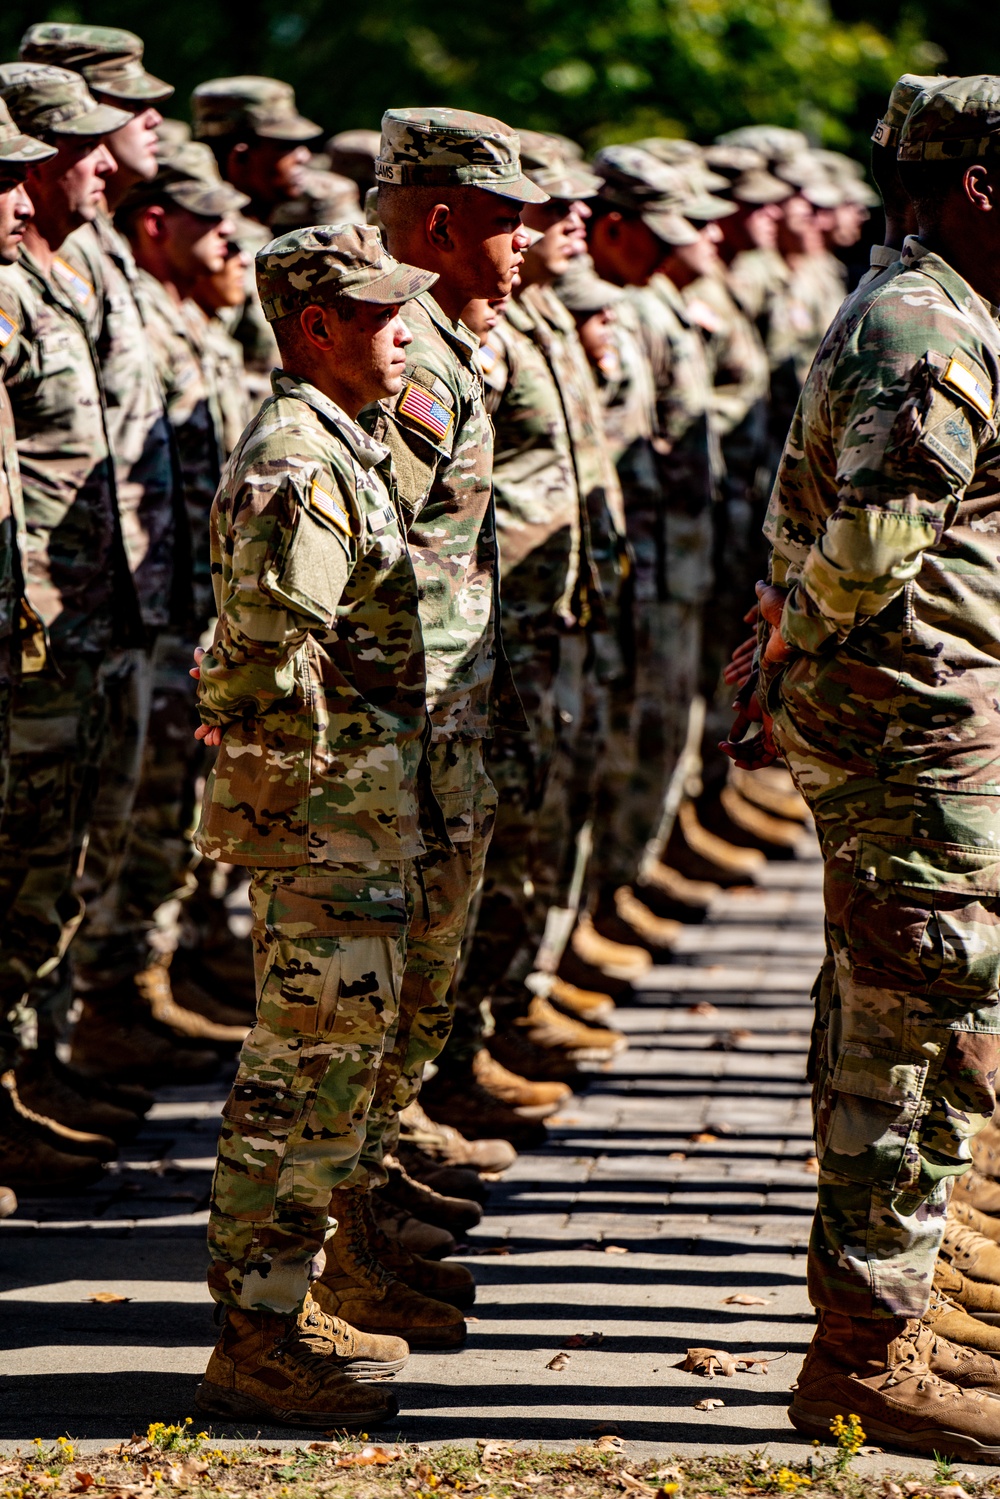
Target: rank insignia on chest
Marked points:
78	285
330	508
420	406
8	327
964	381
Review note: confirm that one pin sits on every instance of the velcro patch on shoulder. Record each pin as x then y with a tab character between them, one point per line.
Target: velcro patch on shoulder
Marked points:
425	411
81	288
969	386
8	327
331	507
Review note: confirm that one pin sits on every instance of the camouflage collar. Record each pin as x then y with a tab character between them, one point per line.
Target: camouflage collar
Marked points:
365	449
458	335
917	256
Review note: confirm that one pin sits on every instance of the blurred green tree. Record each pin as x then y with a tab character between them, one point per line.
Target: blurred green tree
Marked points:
596	69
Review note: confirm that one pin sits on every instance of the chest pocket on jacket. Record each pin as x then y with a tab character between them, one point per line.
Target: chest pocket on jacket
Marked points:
55	352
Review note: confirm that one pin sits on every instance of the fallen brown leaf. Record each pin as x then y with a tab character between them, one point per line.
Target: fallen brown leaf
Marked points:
368	1457
584	1340
85	1480
740	1034
472	1319
609	1443
108	1298
491	1451
559	1362
325	1446
742	1299
711	1361
633	1485
708	1405
811	1165
615	1249
677	1155
703	1138
703	1007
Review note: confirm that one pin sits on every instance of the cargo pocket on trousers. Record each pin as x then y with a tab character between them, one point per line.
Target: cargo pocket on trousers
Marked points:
257	1120
875	1098
925	916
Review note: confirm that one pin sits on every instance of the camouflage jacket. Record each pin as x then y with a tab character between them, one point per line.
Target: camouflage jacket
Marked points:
247	324
178	360
76	573
145	470
316	672
11	558
740	374
673	543
225	376
885	523
442	446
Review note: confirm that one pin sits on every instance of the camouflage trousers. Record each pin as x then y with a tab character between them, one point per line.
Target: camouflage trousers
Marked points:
57	727
907	1035
134	899
443	887
329	949
647	724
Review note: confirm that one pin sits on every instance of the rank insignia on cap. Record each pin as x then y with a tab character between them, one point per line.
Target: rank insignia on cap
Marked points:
78	285
965	382
330	508
422	408
8	327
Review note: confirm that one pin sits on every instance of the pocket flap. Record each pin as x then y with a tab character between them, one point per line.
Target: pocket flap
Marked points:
338	905
264	1106
952	867
866	1072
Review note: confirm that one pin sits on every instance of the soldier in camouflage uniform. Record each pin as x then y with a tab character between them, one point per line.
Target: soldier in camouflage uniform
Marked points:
77	572
310	565
32	1159
259	141
560	527
880	672
114	1033
638	219
458	174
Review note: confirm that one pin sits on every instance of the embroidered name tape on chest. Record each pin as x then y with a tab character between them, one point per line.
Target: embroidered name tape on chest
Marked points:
422	408
330	508
78	285
964	381
8	327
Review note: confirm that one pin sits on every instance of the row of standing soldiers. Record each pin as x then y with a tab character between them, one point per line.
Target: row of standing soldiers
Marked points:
582	448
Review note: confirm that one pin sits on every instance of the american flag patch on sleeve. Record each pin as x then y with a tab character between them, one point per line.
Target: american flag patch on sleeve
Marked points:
8	328
420	406
78	285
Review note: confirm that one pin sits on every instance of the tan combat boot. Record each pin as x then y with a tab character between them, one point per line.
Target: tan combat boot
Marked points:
263	1369
751	821
156	991
613	959
977	1191
451	1181
355	1286
558	1037
976	1296
667	892
878	1370
626	920
534	1100
449	1146
776	794
581	1004
451	1283
985	1149
455	1214
947	1319
359	1355
969	1251
983	1223
453	1098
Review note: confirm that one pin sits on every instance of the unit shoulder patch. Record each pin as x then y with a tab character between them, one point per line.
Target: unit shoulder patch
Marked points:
970	386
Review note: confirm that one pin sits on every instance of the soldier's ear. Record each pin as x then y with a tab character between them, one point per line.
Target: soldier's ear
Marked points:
438	227
982	188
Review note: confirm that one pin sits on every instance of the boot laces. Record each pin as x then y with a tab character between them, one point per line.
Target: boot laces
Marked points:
362	1236
965	1239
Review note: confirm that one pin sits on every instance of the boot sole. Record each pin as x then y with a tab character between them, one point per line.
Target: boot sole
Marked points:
364	1370
230	1405
814	1419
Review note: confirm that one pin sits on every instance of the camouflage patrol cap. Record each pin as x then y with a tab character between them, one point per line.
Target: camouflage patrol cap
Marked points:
904	92
189	176
323	198
264	106
809	177
544	160
110	59
453	148
17	149
171	133
637	182
52	102
582	290
327	261
352	153
849	176
686	155
774	141
953	123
